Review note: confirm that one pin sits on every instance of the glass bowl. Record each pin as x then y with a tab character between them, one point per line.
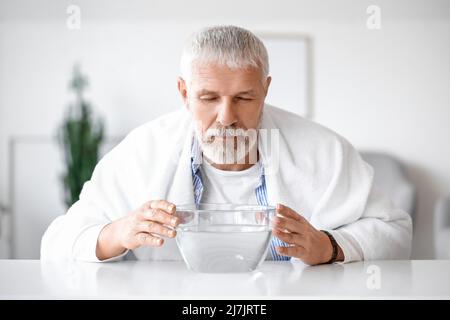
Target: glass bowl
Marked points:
224	237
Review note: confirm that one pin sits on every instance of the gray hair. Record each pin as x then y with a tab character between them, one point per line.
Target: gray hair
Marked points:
232	46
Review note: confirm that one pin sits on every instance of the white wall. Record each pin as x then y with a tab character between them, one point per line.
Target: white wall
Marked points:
382	89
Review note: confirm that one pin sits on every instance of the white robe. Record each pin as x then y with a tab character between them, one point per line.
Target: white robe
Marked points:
319	175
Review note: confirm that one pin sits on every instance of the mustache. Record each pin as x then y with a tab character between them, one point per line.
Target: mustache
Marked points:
225	132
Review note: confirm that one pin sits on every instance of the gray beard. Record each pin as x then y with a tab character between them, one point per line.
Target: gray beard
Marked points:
227	151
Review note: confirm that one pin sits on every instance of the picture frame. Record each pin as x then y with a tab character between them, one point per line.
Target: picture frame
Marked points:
290	66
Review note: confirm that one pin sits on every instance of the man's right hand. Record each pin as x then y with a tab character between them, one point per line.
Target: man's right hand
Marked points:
143	227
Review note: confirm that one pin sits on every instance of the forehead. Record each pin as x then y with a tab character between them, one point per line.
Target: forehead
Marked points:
225	80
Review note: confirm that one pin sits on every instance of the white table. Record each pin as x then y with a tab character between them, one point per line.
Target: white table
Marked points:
33	279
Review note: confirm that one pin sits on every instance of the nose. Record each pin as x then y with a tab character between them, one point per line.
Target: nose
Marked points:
227	116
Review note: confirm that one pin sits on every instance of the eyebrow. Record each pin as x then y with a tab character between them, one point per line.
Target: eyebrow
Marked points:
205	92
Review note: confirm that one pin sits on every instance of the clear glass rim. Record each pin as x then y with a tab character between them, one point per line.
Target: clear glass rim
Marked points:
222	207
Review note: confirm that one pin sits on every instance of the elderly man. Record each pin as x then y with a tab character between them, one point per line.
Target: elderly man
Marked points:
327	209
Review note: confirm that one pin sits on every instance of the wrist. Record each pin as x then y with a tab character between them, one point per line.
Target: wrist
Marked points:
340	256
333	253
327	251
108	244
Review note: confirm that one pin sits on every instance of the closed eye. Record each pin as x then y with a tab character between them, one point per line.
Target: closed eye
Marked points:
208	98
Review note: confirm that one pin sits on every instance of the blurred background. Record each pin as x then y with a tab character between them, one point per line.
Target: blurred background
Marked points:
376	72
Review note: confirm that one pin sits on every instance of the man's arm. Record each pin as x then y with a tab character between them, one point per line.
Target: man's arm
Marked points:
364	223
382	232
74	235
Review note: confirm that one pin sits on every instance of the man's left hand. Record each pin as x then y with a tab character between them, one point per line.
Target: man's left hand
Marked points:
310	245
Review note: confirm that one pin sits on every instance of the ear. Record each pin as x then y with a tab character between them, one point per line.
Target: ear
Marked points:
268	81
182	89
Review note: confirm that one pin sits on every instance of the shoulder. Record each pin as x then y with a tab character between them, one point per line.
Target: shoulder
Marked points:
154	137
317	151
305	134
164	125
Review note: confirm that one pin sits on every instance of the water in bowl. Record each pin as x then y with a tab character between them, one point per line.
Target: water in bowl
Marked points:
223	248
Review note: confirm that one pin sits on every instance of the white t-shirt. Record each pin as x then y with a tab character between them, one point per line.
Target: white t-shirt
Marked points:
221	186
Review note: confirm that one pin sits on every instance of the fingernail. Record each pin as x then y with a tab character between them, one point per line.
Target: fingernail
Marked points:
172	233
170	208
159	241
174	221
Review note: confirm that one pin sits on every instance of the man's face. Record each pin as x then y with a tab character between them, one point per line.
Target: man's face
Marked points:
222	100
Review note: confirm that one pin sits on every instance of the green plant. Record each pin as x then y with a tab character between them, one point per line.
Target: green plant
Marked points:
81	136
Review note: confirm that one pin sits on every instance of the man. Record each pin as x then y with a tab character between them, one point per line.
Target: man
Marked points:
327	210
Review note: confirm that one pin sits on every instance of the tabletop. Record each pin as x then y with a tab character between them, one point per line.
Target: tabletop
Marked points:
391	279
